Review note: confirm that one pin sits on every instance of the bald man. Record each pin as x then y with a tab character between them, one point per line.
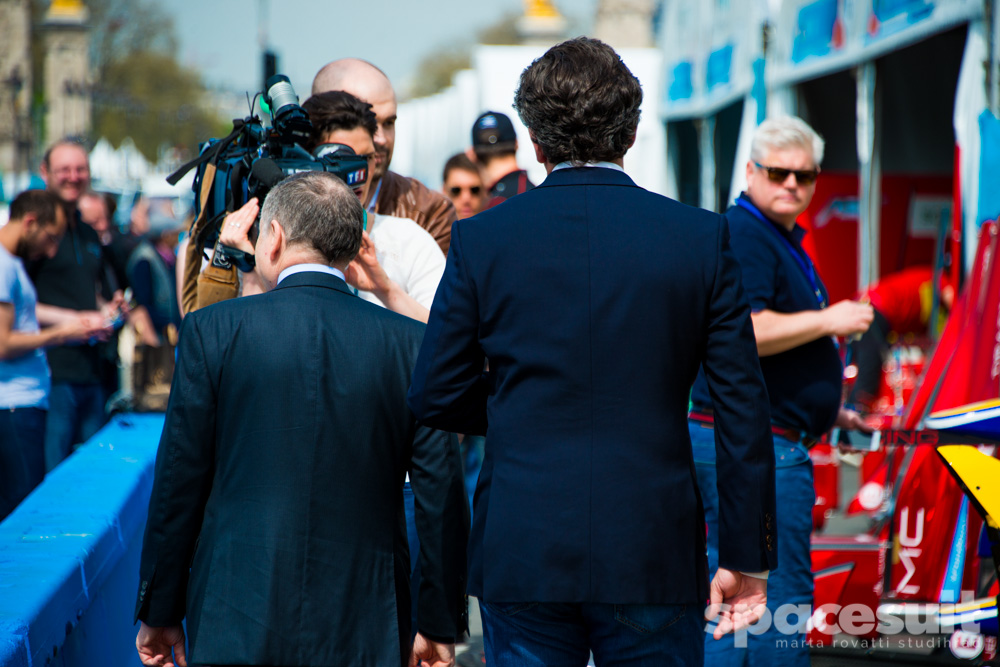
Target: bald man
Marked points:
390	193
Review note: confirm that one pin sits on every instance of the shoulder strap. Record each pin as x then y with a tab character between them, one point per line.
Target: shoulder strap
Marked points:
201	288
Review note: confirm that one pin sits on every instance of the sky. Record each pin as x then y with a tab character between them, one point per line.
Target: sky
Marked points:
220	37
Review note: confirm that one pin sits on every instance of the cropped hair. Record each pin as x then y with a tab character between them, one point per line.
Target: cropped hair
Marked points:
47	156
458	161
98	196
316	209
782	132
487	153
337	110
580	102
41	203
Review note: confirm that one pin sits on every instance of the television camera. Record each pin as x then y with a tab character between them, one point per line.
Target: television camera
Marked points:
251	160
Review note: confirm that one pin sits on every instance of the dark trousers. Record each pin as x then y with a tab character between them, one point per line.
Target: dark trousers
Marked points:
22	455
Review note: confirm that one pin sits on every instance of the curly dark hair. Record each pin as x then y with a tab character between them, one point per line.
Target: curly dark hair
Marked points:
337	110
580	102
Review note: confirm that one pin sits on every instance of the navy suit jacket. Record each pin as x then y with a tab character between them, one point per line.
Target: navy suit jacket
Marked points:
595	302
279	483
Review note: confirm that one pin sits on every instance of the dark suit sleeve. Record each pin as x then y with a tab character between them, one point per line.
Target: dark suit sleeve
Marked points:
181	483
442	518
449	387
743	442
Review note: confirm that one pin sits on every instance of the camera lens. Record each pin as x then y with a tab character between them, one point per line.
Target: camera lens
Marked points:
280	94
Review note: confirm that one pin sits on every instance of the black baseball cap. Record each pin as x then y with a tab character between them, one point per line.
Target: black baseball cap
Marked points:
492	129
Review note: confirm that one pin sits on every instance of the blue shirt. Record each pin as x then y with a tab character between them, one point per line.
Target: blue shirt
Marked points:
804	383
24	380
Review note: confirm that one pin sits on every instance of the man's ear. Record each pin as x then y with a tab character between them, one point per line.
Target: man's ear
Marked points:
277	241
29	222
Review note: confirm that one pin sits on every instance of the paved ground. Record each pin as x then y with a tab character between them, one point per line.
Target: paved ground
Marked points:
470	654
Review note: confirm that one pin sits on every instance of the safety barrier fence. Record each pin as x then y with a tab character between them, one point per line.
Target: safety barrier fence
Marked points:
69	554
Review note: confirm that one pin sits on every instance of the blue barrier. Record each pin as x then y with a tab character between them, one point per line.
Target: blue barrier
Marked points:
69	554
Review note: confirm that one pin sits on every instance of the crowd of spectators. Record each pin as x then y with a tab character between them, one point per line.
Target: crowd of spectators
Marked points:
75	289
72	281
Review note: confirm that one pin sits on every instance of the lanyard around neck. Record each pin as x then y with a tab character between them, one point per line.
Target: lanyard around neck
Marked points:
800	257
374	201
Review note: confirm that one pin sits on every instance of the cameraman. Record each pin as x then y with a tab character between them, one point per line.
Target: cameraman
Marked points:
390	193
399	265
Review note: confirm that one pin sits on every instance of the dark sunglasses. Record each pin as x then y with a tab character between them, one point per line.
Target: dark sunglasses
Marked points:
780	174
455	191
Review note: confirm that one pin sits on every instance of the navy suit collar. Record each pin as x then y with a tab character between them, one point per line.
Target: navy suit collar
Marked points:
587	176
314	279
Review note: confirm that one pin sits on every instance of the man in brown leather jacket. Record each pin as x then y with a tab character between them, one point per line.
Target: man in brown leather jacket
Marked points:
390	193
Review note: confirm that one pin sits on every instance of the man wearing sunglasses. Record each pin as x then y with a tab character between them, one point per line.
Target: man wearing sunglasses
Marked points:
463	185
796	331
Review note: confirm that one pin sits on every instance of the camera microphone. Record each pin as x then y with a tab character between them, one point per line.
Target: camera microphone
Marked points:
267	172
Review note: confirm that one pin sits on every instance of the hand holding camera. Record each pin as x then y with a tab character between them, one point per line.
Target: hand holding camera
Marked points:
236	227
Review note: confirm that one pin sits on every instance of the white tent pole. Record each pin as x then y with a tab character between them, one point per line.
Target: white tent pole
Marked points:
870	175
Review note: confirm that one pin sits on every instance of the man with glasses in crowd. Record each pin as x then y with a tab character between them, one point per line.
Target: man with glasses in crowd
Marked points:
463	185
796	330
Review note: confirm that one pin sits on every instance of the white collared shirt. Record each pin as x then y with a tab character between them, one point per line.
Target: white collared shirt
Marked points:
319	268
603	165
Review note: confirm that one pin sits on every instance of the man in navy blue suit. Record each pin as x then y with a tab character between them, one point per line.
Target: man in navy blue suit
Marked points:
276	516
595	303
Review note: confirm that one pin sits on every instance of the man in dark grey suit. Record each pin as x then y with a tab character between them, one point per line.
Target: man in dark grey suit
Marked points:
280	472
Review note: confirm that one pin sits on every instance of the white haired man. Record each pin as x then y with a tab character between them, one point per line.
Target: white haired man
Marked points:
796	330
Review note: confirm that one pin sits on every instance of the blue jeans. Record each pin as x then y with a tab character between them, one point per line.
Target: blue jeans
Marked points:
555	634
76	413
473	451
413	540
22	455
791	583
